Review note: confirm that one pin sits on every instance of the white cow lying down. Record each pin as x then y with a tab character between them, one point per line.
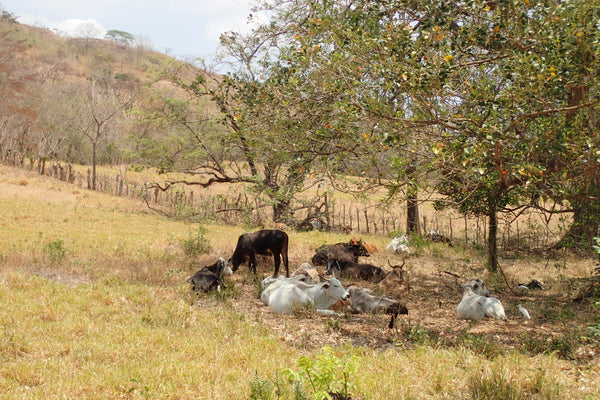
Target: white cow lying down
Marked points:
474	306
282	294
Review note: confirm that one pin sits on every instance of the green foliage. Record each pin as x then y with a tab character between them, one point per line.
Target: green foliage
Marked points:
421	335
326	376
196	244
480	344
55	250
120	37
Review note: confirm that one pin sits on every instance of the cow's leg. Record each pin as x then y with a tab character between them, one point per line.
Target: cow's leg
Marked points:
277	259
252	263
286	263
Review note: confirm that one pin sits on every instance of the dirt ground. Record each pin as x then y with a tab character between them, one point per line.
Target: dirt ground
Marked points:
432	303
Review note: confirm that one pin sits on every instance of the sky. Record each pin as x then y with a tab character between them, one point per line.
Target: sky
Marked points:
180	28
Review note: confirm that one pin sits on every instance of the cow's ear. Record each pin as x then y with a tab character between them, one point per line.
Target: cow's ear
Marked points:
325	286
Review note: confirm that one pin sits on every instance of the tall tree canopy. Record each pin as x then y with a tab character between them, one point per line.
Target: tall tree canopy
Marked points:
494	102
503	94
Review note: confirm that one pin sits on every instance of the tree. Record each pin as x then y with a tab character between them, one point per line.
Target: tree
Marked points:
98	112
87	31
477	78
16	87
120	37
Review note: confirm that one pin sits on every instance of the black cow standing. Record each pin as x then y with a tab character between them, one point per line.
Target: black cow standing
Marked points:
265	242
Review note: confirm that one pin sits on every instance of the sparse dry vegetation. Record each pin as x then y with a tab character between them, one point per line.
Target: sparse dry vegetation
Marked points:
95	306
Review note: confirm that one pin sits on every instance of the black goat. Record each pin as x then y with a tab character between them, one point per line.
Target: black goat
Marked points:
210	277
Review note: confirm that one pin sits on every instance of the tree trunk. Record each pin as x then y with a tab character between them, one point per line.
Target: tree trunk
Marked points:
492	240
412	215
282	211
585	226
412	204
93	165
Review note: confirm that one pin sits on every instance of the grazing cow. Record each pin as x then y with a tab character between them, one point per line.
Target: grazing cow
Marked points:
365	301
351	269
340	251
265	242
395	283
476	307
477	286
210	277
283	296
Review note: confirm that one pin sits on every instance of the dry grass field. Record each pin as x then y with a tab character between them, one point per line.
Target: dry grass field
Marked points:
94	304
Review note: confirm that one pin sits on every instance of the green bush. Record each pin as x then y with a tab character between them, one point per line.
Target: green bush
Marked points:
324	377
196	244
56	251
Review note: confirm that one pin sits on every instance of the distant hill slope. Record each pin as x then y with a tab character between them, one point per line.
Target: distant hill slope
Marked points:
72	59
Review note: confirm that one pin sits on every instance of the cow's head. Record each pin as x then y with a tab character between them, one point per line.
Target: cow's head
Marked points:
335	289
224	266
357	248
477	286
332	266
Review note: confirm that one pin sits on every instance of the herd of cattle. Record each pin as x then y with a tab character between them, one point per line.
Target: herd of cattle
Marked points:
306	286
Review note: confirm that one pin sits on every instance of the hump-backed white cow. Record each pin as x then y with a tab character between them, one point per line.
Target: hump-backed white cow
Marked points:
269	284
282	295
476	307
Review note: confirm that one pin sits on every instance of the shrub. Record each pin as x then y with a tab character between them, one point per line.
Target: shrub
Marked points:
421	335
56	251
324	377
196	244
327	376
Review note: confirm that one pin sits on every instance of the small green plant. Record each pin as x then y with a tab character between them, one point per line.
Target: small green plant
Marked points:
228	291
56	251
563	346
326	376
276	388
421	335
333	325
480	344
196	244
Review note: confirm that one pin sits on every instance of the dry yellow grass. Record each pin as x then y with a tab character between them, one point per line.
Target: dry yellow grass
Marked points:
114	318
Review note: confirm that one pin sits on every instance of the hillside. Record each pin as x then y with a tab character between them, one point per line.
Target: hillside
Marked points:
68	59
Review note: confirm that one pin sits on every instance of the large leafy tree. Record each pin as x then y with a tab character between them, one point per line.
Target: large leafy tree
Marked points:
479	81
